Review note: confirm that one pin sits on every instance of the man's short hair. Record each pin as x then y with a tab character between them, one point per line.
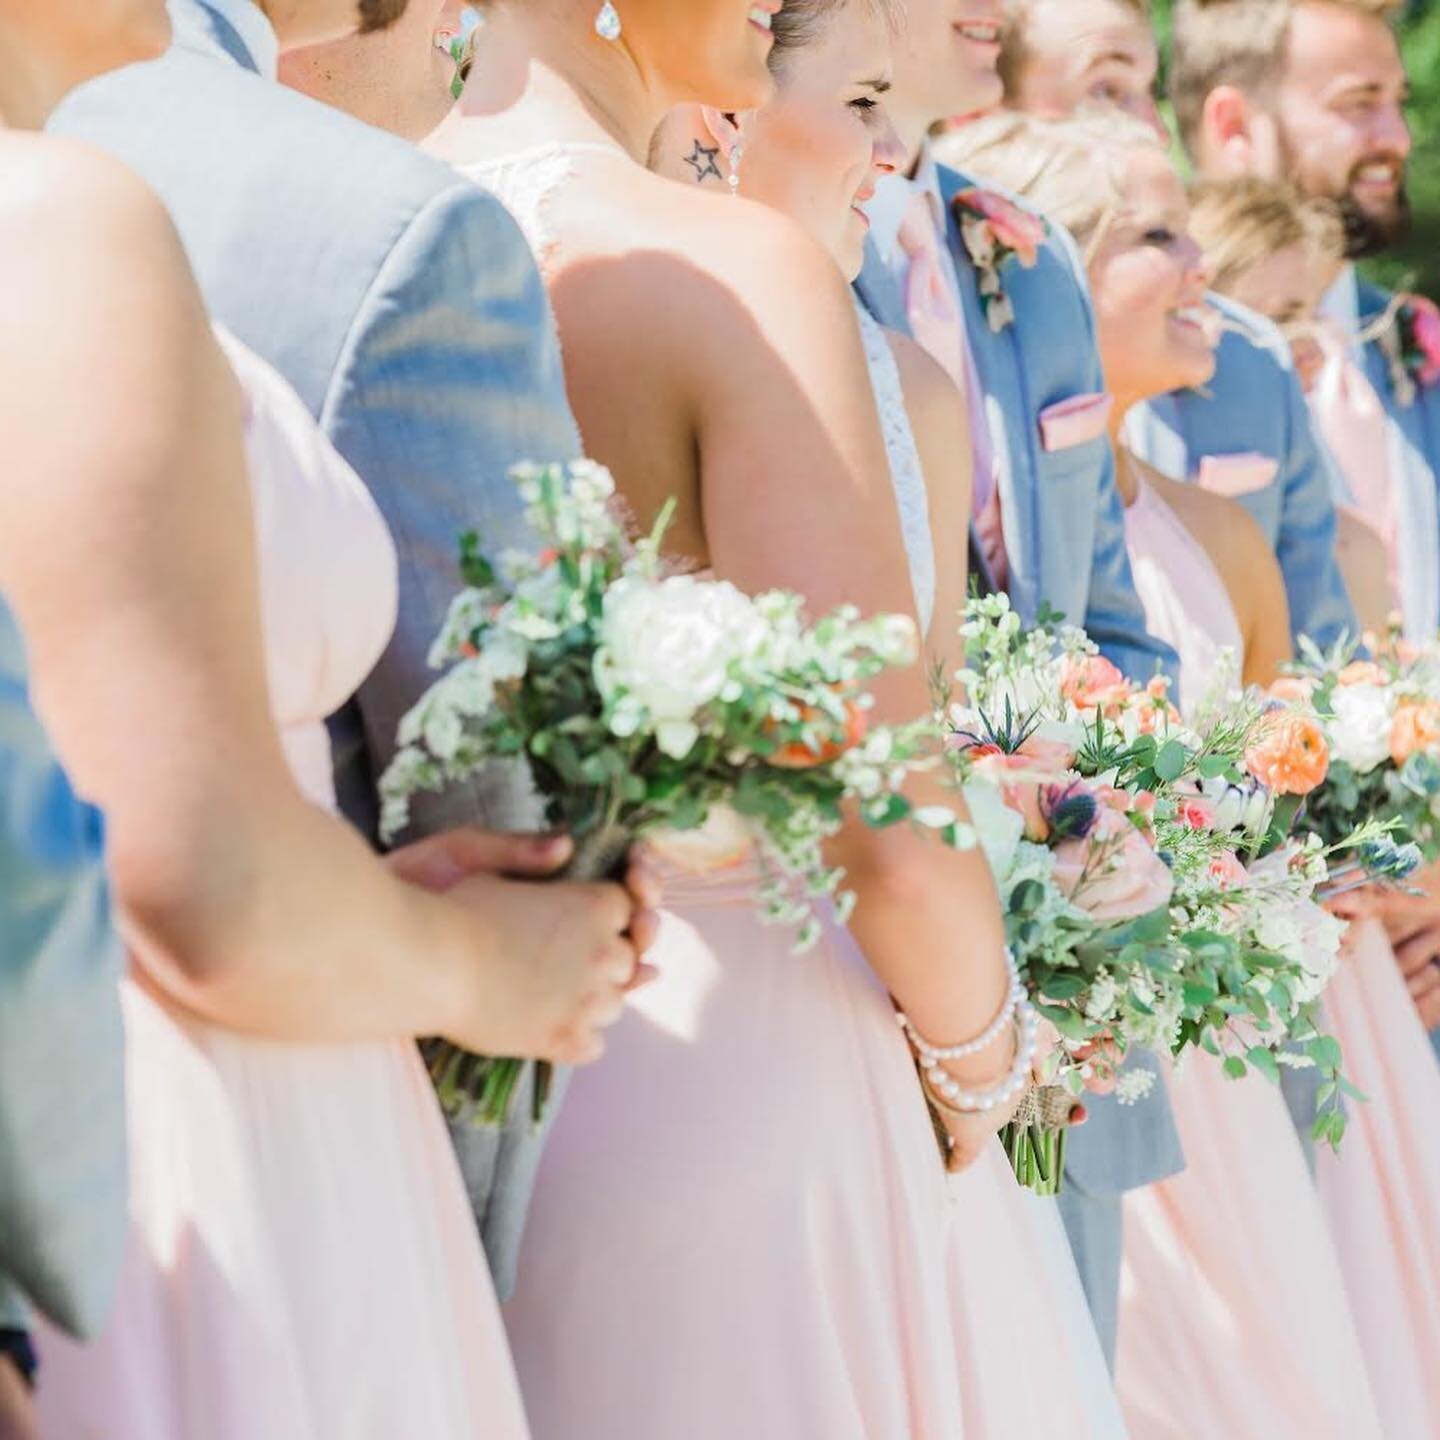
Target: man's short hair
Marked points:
1240	222
1013	51
1239	43
380	14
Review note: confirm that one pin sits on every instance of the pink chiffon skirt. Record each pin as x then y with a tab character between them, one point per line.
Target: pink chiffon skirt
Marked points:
1382	1191
1234	1318
302	1261
742	1229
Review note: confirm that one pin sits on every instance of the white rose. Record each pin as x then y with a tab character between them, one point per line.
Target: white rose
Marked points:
1360	731
668	647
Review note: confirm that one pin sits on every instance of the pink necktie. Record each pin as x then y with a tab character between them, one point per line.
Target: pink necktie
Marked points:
935	322
1352	421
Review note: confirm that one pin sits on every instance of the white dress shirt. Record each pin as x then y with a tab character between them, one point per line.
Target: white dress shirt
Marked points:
1417	514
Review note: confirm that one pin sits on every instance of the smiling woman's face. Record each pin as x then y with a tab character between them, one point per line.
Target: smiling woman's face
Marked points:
1148	280
816	150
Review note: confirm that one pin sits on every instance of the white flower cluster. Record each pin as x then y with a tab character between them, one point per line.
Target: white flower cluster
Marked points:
668	648
1359	730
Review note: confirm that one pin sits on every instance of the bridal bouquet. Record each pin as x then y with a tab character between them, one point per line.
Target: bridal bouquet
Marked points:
1151	899
664	707
1382	720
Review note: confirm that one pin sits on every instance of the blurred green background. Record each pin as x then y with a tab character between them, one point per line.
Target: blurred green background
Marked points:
1417	265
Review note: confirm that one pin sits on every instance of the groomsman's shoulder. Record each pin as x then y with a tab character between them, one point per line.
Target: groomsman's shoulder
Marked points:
276	193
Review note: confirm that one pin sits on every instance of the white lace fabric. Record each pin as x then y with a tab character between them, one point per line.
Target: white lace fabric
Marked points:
912	500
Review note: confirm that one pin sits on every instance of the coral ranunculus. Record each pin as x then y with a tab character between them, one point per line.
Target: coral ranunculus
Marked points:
1290	756
797	755
1415	729
1091	682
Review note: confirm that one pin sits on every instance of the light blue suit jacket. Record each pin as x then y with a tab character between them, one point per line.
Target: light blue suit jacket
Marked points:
403	304
62	1105
1065	544
1255	405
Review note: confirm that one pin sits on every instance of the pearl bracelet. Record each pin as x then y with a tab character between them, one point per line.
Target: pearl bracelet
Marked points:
931	1053
949	1094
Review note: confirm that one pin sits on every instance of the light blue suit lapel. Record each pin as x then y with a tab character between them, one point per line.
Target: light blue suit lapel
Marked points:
1007	409
198	27
880	292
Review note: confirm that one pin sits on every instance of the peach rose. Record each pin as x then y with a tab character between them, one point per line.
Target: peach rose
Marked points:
1289	756
1091	682
1361	672
1415	728
1053	756
1016	778
1113	875
1227	871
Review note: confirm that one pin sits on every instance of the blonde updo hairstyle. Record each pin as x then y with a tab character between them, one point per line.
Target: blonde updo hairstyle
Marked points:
1072	170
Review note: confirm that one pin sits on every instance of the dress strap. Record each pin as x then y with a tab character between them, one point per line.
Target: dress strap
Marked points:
907	475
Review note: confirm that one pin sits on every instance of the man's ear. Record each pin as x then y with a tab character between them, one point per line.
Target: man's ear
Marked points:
1228	124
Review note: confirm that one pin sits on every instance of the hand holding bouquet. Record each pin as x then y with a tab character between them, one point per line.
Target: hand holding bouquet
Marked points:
655	706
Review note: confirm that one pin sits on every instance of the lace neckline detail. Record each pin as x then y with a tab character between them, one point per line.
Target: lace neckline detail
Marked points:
907	475
526	182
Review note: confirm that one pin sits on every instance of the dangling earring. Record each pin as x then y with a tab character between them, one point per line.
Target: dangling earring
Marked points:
607	22
737	154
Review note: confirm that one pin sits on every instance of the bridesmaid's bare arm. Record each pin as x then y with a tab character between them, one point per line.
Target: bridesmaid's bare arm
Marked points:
127	553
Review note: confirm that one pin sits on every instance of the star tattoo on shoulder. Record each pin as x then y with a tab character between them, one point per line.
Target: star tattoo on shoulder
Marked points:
702	161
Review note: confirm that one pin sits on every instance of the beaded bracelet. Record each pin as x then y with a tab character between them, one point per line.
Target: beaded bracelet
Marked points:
992	1032
947	1092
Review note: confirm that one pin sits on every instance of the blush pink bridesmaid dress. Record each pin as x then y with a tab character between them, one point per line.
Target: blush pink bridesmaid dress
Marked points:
302	1262
1382	1191
1235	1322
742	1229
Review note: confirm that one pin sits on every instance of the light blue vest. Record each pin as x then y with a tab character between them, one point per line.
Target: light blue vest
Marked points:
1255	406
62	1101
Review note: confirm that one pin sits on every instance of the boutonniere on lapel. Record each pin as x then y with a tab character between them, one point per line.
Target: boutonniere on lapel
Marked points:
996	231
1411	344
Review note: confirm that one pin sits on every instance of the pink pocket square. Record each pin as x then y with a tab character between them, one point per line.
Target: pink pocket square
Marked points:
1072	422
1236	475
